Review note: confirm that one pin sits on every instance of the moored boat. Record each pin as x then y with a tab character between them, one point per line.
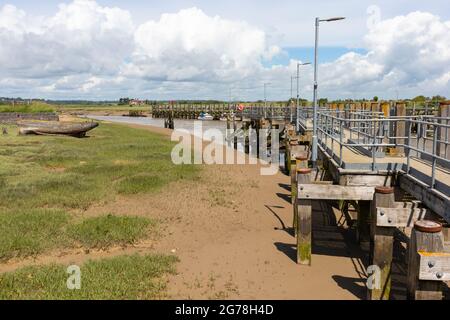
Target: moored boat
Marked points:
205	116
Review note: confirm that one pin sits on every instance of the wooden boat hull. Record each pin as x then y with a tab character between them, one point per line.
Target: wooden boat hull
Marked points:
75	129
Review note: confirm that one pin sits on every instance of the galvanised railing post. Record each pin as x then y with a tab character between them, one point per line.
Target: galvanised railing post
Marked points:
341	122
433	167
358	127
418	133
373	148
331	134
407	147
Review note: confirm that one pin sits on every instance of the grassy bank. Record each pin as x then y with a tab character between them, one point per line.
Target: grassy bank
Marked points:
125	277
35	107
30	232
68	173
88	108
47	180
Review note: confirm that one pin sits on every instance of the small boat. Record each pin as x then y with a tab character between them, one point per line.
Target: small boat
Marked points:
75	129
205	116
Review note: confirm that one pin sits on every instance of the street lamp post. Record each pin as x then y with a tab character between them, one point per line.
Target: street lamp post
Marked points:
314	137
297	125
292	78
265	97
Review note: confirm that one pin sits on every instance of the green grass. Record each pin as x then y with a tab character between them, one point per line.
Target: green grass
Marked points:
69	173
124	277
101	107
35	107
45	181
104	231
24	233
140	183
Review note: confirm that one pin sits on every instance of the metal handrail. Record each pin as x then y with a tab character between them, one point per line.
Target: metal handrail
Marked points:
376	134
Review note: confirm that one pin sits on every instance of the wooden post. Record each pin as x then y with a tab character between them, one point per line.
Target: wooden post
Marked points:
426	237
382	244
446	233
228	131
301	162
363	224
258	127
246	137
400	130
235	142
288	157
303	225
287	154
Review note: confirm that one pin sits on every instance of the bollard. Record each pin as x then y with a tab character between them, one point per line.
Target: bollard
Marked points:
382	243
426	236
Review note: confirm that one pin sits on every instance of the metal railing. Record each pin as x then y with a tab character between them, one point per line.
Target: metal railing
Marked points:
370	133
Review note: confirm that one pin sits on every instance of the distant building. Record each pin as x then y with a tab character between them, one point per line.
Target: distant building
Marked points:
136	102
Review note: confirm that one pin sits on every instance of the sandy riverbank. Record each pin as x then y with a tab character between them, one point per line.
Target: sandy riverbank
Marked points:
242	246
231	230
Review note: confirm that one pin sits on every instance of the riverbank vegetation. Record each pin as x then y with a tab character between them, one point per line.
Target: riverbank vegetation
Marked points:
47	182
34	107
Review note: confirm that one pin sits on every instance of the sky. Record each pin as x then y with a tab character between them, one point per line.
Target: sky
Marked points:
226	50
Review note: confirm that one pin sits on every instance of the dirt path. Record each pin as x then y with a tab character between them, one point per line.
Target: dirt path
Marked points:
231	232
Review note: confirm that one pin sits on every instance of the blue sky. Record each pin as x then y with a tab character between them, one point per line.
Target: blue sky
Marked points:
178	56
306	54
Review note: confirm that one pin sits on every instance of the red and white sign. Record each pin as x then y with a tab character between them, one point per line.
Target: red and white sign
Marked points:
241	107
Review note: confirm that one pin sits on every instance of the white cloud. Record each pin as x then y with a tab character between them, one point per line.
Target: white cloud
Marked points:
82	37
190	45
410	54
89	51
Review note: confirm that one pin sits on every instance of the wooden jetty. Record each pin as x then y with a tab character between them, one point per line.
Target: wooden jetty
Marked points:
389	161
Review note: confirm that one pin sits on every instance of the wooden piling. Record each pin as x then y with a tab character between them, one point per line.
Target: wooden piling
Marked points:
303	224
400	130
287	155
235	140
301	162
382	244
426	237
246	126
363	224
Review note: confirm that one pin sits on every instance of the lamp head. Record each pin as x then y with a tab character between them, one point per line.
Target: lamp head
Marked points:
334	19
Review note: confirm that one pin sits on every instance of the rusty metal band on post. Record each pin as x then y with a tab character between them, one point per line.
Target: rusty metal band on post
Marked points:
428	226
384	190
301	157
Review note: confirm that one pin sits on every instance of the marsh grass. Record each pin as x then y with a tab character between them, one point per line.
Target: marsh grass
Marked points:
46	180
24	233
27	233
70	173
104	231
35	107
123	277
